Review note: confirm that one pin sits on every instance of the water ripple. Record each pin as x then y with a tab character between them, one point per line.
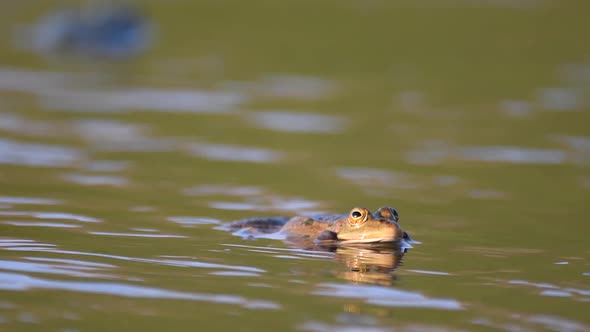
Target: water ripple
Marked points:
286	86
438	273
323	327
510	154
378	178
28	200
547	289
298	122
221	189
66	270
20	80
226	152
31	246
138	235
234	274
560	99
38	155
253	198
438	152
95	180
19	125
187	221
21	282
107	165
275	250
144	99
558	324
74	262
516	108
16	244
39	224
273	204
112	135
385	296
184	263
51	215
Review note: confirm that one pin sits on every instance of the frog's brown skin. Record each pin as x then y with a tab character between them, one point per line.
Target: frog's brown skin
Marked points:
359	226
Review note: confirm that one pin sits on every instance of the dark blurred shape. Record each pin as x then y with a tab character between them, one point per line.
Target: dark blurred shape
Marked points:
105	32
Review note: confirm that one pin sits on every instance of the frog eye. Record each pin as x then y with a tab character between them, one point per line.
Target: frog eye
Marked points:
357	216
388	213
395	214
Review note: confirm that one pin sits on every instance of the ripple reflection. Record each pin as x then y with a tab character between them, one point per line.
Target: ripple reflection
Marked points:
138	235
298	122
385	296
51	215
547	289
38	155
39	224
28	200
95	180
22	282
226	152
32	246
61	269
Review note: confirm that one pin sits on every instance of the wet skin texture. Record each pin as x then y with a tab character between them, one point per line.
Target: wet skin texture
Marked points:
359	226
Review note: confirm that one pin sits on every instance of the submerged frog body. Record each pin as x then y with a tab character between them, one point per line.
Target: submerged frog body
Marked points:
359	226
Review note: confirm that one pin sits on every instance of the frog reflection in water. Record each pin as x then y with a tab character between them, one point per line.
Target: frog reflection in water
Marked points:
359	226
368	265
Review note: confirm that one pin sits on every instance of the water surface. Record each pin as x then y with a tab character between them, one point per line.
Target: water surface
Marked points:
470	117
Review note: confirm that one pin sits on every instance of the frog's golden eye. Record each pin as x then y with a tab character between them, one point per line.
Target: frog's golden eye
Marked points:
357	216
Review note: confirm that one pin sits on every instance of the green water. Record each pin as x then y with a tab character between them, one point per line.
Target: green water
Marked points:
470	117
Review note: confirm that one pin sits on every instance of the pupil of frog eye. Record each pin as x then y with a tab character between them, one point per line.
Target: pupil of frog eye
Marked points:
356	214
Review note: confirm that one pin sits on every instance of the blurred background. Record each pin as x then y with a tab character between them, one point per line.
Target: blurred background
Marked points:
130	130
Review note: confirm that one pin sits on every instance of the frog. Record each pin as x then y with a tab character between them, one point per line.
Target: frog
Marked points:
359	226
